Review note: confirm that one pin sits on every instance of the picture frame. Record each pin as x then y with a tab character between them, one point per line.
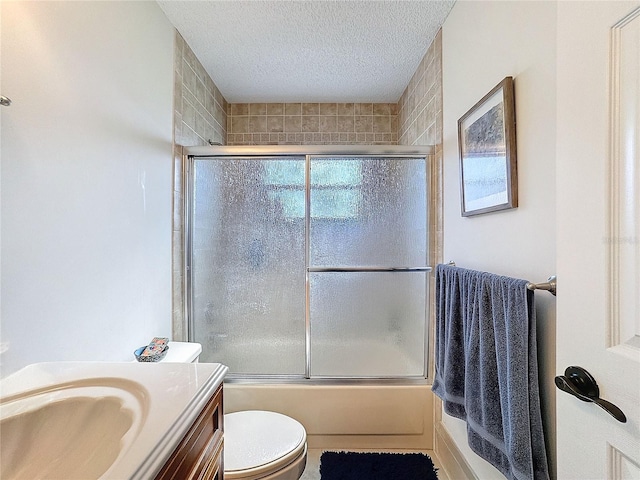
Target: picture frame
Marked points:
487	145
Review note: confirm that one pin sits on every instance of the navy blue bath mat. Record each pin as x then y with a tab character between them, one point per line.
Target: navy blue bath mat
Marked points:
376	466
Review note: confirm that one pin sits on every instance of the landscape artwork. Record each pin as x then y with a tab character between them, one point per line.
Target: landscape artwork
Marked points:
487	154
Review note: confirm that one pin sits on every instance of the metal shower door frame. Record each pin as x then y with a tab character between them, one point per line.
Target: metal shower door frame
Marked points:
190	154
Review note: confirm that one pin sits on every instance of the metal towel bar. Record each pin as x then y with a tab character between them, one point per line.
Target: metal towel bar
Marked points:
368	269
549	285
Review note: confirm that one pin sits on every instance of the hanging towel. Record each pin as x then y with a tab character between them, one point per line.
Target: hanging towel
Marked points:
487	369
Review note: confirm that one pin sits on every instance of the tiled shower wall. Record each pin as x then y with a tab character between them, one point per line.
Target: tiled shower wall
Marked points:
420	123
312	124
200	109
200	116
420	106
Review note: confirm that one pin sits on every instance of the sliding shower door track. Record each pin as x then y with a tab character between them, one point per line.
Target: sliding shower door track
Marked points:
301	380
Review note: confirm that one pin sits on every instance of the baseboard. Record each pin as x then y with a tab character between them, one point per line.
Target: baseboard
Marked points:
451	458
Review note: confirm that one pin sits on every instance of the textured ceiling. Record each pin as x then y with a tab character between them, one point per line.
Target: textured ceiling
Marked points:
309	51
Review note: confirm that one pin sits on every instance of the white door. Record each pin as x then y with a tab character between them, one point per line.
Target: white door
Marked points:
598	248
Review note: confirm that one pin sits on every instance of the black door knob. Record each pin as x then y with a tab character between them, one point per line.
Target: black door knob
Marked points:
579	383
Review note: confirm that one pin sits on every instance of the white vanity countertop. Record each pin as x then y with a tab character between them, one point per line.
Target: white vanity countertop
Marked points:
166	399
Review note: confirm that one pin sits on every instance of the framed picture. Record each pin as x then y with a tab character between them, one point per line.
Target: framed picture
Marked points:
487	141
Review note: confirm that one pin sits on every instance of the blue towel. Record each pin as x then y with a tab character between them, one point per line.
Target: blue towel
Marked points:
487	369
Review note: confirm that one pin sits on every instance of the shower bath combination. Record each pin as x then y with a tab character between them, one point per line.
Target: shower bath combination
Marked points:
307	273
309	263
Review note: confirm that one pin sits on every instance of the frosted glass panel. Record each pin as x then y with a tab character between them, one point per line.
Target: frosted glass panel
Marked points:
367	324
368	212
250	253
248	263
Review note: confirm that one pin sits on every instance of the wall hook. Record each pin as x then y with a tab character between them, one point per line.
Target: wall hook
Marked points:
5	101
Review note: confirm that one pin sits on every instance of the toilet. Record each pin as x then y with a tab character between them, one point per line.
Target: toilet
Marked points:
258	444
183	352
263	445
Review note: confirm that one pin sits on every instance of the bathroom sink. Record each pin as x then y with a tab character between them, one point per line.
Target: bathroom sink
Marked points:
90	420
73	430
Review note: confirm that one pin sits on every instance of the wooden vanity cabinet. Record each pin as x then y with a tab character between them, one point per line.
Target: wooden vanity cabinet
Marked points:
199	454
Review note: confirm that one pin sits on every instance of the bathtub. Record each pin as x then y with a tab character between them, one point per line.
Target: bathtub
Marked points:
346	416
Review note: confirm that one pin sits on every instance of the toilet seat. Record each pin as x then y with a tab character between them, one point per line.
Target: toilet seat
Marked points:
260	444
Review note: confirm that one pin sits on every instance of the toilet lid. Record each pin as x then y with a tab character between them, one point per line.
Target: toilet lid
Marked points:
260	442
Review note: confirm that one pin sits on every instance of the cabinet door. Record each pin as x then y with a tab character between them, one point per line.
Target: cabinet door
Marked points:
214	471
201	448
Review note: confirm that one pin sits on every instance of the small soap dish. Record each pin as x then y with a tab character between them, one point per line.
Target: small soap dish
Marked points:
150	358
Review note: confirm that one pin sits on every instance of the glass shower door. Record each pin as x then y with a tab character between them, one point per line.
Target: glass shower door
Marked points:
248	263
309	266
367	274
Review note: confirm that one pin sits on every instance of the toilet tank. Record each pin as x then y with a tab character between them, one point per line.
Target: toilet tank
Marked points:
183	352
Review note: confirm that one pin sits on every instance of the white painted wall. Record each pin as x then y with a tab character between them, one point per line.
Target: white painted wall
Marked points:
86	180
483	42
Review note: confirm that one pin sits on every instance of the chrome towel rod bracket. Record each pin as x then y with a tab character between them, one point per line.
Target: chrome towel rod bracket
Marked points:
549	285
